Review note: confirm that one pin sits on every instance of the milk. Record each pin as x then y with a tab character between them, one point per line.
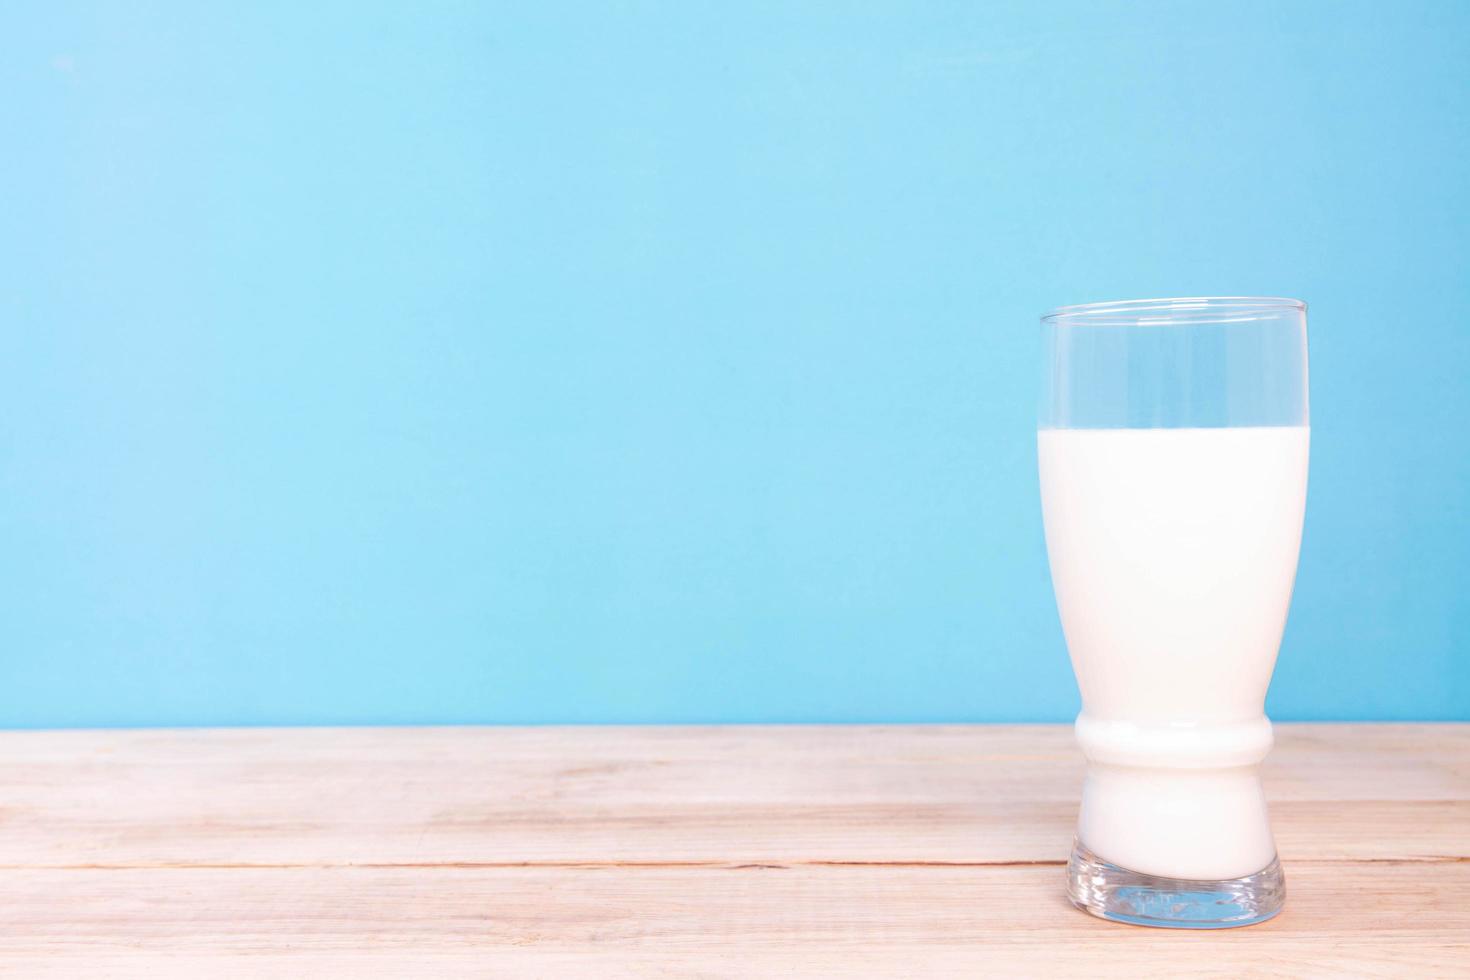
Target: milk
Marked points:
1173	553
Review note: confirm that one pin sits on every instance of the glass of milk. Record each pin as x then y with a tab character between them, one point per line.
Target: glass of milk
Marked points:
1172	445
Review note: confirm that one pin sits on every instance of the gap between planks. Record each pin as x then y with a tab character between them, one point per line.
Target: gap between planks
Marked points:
593	865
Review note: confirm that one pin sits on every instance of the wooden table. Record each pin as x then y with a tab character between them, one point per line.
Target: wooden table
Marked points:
679	852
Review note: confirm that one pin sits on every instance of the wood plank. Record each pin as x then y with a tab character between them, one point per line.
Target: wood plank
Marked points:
681	852
956	794
1383	919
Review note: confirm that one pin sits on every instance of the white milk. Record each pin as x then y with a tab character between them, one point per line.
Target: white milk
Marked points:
1173	553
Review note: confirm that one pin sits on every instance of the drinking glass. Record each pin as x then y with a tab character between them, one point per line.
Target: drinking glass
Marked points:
1172	447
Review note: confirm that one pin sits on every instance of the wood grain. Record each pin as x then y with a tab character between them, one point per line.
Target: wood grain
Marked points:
731	851
721	921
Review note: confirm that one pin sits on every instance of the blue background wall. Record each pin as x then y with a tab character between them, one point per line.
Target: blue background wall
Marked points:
677	362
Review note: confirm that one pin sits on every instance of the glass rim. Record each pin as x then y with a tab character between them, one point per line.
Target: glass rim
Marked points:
1178	309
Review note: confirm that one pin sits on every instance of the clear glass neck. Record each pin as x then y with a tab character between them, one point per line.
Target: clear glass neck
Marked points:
1194	362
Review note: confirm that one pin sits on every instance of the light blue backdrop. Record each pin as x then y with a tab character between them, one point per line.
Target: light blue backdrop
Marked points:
675	362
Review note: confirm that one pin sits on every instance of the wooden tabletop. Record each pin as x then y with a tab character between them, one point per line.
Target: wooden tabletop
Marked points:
682	852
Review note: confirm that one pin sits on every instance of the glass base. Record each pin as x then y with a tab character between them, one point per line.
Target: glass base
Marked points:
1115	893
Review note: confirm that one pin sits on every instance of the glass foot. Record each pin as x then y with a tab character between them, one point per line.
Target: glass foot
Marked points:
1111	892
